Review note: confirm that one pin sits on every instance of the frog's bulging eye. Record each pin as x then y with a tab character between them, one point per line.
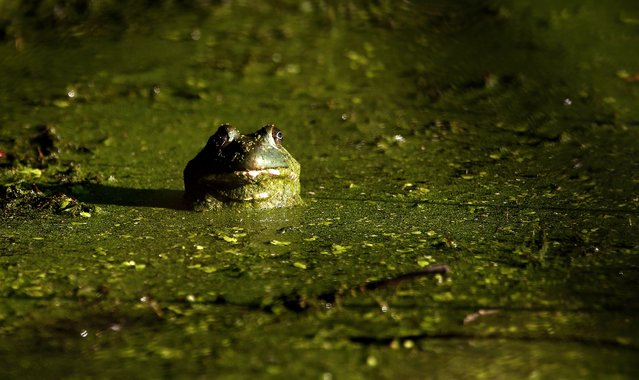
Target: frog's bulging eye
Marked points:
220	138
224	135
277	135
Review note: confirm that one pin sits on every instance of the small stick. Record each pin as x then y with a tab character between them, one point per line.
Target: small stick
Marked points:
394	281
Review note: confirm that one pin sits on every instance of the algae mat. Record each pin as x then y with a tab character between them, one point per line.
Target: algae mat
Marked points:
496	138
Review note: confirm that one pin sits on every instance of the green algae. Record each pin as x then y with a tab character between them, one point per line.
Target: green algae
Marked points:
495	137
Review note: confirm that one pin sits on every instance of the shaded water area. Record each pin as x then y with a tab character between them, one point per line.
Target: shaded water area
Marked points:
498	138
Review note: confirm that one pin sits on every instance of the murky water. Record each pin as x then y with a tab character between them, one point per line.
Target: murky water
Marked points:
498	138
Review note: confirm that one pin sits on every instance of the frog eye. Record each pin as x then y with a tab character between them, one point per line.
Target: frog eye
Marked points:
277	135
219	139
225	134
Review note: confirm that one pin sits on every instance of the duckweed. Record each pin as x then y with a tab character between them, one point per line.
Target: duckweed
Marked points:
491	137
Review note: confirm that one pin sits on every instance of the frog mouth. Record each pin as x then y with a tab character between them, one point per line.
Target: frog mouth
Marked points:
257	175
253	185
253	174
250	176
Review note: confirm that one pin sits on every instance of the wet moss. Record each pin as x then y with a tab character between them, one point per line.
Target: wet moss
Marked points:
17	200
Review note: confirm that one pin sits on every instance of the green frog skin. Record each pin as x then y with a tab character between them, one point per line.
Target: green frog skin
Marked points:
250	171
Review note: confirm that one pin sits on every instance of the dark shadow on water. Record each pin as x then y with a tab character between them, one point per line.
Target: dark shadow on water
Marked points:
125	196
174	199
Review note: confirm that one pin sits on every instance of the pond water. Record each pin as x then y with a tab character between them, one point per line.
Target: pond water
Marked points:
497	138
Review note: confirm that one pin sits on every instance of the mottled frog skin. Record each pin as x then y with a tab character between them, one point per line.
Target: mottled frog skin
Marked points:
235	170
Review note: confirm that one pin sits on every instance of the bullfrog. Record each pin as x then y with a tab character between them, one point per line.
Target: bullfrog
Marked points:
252	171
